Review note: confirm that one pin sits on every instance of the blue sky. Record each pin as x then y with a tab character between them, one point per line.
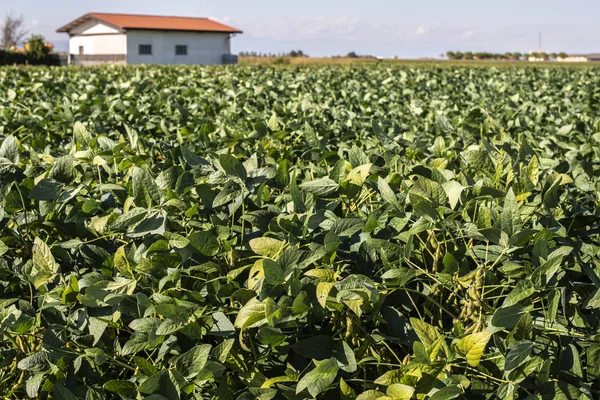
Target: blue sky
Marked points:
408	29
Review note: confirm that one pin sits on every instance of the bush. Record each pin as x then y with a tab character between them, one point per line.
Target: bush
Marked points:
36	52
12	57
281	61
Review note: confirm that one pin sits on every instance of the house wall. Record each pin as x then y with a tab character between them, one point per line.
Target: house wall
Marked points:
98	59
99	44
92	27
573	59
202	47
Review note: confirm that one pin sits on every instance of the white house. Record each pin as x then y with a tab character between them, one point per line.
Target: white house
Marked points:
99	38
579	58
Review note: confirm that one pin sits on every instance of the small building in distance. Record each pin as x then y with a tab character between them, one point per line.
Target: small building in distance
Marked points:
101	38
535	58
580	58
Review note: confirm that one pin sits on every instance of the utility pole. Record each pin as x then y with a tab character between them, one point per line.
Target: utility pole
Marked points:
540	43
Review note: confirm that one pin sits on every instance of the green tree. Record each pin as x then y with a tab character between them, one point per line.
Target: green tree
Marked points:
562	54
36	49
468	55
450	54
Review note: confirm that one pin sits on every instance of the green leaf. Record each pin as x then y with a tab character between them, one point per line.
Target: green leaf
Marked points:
517	355
221	351
560	391
176	241
473	346
233	167
359	175
34	362
506	391
164	383
317	347
154	223
3	248
453	190
399	276
427	333
130	218
387	193
33	384
522	331
273	124
96	327
42	256
273	272
205	243
63	169
523	290
593	360
507	317
524	370
322	292
320	187
447	393
145	190
251	314
390	377
398	391
46	190
124	388
346	392
144	365
370	395
9	149
191	363
81	136
429	190
44	262
270	336
344	354
266	246
222	325
319	379
593	302
60	392
510	216
169	326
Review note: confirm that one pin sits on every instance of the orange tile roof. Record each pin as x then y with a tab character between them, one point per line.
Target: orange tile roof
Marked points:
153	22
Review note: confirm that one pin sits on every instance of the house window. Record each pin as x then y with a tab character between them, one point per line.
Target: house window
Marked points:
80	50
145	49
181	50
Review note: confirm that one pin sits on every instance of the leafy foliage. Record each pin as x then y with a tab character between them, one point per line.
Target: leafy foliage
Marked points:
333	232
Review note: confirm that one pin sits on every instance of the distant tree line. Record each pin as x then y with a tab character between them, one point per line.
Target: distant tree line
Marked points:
293	53
469	55
353	54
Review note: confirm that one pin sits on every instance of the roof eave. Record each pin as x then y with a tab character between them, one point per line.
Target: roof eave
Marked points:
67	28
180	30
84	18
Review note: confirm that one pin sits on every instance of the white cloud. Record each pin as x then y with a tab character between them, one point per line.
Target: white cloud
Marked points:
35	22
421	30
391	36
